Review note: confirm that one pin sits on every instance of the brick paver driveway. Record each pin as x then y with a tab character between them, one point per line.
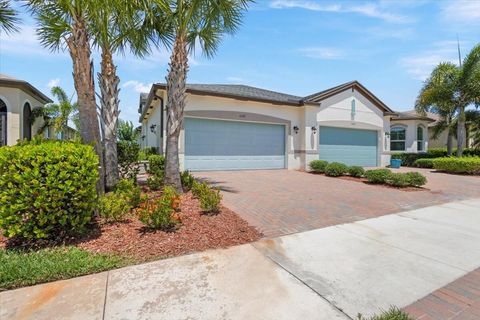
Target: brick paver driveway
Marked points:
280	202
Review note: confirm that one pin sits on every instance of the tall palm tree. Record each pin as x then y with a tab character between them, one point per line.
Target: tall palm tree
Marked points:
449	90
57	115
8	17
63	24
183	24
115	26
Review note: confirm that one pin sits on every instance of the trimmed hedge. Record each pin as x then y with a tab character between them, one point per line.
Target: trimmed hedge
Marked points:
468	165
416	179
47	189
378	175
356	171
408	159
318	166
424	163
336	169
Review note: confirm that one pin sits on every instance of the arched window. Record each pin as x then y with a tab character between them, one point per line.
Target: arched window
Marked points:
27	127
420	139
3	123
397	139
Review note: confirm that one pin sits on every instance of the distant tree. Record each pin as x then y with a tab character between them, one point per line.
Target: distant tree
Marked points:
127	131
8	17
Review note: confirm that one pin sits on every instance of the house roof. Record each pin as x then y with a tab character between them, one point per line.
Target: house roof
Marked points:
354	85
414	115
8	81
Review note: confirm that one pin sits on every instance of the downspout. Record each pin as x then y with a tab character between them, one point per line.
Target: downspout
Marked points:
160	148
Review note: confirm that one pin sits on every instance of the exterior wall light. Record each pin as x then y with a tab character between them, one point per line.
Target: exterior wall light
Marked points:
295	128
314	129
387	134
143	137
153	128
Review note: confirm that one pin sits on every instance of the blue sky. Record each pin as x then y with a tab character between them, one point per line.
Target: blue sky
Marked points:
297	47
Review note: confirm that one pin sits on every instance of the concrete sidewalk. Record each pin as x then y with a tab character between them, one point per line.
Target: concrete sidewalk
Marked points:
331	273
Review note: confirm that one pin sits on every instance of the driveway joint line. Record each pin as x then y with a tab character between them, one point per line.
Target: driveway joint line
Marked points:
305	284
402	249
105	297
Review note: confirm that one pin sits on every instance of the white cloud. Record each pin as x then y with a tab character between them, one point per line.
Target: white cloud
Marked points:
53	83
322	53
138	86
465	11
421	65
368	9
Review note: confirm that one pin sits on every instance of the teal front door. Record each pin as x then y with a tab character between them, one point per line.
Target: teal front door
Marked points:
233	145
349	146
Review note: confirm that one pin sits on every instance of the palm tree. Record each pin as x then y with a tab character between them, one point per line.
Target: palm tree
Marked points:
115	25
183	24
449	90
63	24
8	17
57	115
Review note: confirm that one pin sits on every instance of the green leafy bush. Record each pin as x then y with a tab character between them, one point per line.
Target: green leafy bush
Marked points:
210	200
468	165
408	158
127	152
416	179
378	175
114	207
187	180
47	189
155	182
146	152
424	163
392	314
133	192
318	166
398	179
156	163
161	214
198	188
336	169
356	171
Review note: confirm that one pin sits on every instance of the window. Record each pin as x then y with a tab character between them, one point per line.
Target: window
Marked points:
420	139
3	123
27	126
397	139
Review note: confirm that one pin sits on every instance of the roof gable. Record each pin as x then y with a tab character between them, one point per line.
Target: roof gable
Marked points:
353	85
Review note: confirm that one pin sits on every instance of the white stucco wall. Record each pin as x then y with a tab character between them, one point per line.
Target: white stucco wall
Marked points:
15	99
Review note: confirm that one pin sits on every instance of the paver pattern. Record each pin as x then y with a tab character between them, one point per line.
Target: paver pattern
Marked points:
459	300
280	202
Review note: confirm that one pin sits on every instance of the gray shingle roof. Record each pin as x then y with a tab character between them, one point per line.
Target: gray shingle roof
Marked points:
413	114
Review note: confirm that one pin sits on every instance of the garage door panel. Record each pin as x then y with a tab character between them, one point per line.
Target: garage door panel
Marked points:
231	145
349	146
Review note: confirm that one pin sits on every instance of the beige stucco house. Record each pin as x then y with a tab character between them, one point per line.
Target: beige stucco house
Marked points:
230	127
17	100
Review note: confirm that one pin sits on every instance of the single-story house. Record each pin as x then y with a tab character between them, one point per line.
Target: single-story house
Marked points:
17	100
231	127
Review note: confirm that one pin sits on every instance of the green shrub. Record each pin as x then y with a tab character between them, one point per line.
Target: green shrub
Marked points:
416	179
146	152
47	189
392	314
114	207
378	175
198	188
424	163
128	152
408	159
336	169
155	182
398	179
156	164
468	165
161	214
187	180
210	200
318	166
131	190
356	171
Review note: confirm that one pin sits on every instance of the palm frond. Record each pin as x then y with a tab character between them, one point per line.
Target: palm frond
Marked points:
8	17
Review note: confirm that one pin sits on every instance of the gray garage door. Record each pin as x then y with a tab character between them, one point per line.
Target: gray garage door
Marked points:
349	146
233	145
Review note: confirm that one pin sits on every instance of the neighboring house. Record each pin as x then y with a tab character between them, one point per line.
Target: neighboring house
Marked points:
229	127
17	100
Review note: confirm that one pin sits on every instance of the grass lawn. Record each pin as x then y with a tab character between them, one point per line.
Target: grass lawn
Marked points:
18	269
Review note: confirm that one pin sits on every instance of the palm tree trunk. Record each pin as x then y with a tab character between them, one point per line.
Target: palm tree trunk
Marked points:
449	143
176	95
80	53
108	83
460	131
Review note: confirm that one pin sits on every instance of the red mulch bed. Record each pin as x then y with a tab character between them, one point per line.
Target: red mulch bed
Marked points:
197	232
364	180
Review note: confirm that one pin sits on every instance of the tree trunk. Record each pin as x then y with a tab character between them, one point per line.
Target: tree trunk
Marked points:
449	143
80	53
108	83
176	94
460	131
